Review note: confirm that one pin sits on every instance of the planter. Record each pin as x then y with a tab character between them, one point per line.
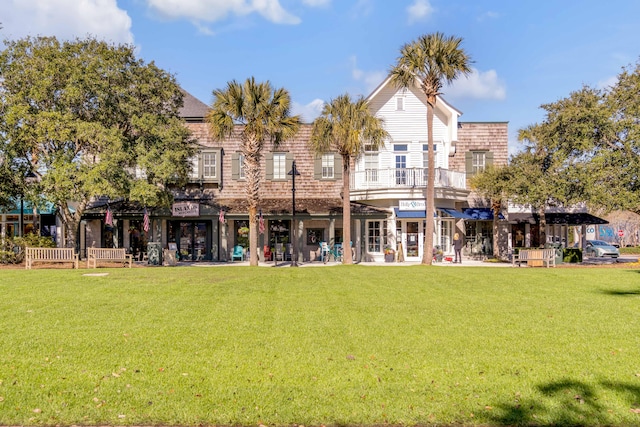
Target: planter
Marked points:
389	257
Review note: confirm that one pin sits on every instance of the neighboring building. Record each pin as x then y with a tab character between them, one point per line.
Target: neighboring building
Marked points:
210	214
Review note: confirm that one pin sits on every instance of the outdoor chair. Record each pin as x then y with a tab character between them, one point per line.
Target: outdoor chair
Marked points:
238	253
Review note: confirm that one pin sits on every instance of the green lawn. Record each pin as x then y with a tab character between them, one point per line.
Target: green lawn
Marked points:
345	345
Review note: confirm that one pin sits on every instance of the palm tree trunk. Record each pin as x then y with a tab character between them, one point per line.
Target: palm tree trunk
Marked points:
253	235
346	210
251	151
427	255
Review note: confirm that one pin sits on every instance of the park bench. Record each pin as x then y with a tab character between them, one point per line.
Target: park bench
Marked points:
96	255
535	257
50	255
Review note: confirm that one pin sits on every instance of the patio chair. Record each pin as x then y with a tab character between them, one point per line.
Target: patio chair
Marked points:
238	253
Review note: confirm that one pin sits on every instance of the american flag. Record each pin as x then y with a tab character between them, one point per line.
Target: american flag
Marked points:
261	223
146	223
221	217
108	217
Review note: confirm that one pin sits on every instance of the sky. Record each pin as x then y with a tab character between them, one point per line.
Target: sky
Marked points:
525	53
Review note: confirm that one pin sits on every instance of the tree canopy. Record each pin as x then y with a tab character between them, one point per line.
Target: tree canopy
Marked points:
90	120
586	150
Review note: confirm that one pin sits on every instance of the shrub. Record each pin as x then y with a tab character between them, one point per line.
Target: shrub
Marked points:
572	255
12	249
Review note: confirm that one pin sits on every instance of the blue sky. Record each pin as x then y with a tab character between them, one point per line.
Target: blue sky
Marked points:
526	53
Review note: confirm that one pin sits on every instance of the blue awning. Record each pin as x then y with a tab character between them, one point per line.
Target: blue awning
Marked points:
409	214
421	214
481	214
455	213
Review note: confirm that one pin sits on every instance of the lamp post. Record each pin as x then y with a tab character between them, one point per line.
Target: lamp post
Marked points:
294	250
29	178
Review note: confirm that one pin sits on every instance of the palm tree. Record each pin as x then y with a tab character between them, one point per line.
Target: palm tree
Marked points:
264	115
428	62
347	127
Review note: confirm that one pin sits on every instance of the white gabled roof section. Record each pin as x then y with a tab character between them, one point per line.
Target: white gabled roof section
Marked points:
442	106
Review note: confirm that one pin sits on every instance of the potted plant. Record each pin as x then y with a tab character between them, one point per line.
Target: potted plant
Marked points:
438	254
389	254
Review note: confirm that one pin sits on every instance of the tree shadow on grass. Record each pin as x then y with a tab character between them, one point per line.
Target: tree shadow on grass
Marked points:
566	403
620	293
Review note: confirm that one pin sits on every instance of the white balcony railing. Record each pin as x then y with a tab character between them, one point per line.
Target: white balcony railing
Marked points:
371	179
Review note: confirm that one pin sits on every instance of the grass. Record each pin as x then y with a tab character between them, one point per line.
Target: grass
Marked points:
345	345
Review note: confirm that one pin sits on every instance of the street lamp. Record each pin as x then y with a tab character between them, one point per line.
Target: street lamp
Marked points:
29	178
294	250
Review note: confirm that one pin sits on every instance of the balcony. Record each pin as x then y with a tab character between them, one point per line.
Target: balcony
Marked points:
377	179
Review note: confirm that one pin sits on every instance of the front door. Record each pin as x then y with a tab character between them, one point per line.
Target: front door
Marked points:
191	238
409	234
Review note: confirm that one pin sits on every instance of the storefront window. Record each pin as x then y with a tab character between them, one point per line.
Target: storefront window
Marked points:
374	236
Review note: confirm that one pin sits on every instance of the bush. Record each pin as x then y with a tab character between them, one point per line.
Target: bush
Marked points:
573	255
12	249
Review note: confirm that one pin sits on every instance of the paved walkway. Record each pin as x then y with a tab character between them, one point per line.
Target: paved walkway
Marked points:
465	263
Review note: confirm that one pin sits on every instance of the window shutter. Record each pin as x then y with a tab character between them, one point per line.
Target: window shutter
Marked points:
269	166
235	166
468	160
337	166
317	166
488	159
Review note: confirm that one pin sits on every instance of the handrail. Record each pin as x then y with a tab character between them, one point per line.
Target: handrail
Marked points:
405	178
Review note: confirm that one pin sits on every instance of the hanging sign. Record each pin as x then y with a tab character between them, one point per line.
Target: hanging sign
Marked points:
184	209
412	205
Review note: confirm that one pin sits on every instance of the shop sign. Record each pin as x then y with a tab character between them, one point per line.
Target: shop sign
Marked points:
183	209
412	205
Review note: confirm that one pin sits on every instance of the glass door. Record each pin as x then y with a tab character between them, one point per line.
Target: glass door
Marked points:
412	233
192	240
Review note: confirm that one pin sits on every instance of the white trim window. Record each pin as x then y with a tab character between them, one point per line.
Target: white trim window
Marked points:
241	166
328	166
209	165
279	166
375	236
478	161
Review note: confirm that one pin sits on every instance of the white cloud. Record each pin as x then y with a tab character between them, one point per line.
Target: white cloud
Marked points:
310	111
217	10
371	79
488	15
419	10
316	3
478	85
608	82
66	19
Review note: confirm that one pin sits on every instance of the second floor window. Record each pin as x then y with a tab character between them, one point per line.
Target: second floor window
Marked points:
241	166
327	166
209	165
279	166
477	161
425	156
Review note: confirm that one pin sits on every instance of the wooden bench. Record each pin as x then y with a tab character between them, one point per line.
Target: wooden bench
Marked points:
96	255
535	257
50	255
